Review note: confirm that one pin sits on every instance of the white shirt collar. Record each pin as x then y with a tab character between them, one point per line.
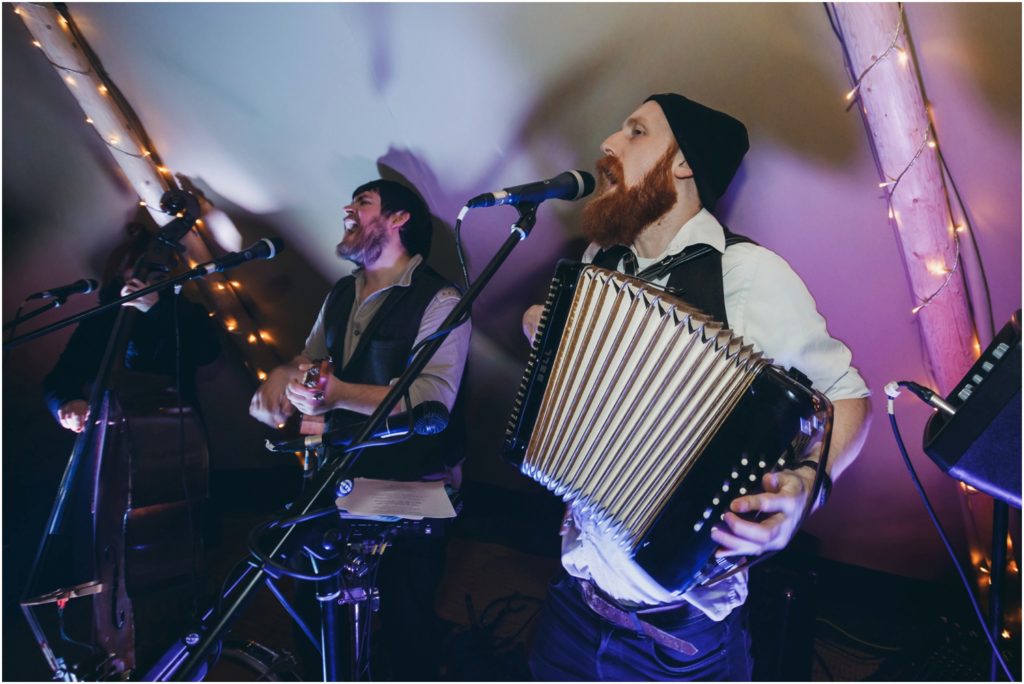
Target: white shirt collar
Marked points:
703	228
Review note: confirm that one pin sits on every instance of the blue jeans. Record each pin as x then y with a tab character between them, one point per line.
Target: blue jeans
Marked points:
572	643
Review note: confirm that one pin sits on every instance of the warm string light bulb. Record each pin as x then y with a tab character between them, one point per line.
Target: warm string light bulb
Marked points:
37	43
936	267
220	286
261	375
88	120
102	88
235	284
265	336
142	203
904	58
252	338
231	325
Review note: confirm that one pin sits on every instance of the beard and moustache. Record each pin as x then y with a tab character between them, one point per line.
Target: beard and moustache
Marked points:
366	246
618	218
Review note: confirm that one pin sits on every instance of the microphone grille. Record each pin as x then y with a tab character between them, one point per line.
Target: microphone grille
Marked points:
588	184
431	417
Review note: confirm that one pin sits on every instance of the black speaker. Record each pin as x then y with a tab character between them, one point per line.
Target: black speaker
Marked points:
980	444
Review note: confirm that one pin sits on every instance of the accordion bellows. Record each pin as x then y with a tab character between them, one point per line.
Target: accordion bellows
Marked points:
649	418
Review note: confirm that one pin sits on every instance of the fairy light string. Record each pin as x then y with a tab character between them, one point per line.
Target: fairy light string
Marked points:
930	141
254	341
960	223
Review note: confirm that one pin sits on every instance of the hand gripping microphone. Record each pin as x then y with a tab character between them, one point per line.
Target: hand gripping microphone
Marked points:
570	185
83	286
428	418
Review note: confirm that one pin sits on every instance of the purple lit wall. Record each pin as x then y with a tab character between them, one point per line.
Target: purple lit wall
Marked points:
278	111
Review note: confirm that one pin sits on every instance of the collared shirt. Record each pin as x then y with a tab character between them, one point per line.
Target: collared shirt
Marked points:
770	307
439	380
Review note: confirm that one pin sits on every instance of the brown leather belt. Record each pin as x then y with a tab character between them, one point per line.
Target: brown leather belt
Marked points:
631	621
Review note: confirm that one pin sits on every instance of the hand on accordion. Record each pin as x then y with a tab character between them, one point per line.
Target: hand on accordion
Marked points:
531	321
757	523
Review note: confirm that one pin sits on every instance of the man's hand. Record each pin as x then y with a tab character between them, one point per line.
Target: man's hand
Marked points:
143	303
781	505
73	415
531	321
314	402
270	403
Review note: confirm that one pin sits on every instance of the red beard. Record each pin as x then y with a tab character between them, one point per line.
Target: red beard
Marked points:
618	217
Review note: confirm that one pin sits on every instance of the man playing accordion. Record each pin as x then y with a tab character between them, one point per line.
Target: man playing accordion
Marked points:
658	181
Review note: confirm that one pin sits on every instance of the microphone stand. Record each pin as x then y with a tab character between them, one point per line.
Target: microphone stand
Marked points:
193	274
519	232
52	304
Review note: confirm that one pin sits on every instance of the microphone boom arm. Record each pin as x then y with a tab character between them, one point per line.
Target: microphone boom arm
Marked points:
192	274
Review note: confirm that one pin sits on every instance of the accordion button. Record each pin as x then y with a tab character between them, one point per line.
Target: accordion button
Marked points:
725	487
744	461
735	474
707	513
716	501
698	525
753	477
762	464
743	490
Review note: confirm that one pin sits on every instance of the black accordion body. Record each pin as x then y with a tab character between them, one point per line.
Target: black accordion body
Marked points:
650	418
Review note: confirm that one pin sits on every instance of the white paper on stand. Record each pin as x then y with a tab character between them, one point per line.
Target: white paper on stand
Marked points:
409	500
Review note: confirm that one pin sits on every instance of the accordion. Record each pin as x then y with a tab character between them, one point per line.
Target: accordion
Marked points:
649	417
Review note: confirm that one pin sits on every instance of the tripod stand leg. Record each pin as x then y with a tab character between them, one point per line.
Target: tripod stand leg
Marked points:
327	595
360	644
997	573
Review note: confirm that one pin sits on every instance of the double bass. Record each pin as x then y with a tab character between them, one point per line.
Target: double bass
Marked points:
120	565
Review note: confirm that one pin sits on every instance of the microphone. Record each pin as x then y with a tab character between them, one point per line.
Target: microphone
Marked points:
267	248
428	418
571	185
83	286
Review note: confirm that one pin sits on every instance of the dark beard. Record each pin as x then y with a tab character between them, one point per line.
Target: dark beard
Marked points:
368	247
618	218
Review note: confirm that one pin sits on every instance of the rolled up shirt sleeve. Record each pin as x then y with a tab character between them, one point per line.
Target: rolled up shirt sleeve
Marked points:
442	375
772	308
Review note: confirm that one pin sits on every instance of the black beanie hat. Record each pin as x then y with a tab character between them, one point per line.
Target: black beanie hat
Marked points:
711	141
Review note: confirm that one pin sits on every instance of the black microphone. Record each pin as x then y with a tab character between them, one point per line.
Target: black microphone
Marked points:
571	185
428	418
83	286
267	248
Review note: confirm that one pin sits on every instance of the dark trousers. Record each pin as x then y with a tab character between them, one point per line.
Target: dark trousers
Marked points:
572	643
410	635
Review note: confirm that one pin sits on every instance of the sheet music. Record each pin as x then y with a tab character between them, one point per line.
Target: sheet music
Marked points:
408	500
